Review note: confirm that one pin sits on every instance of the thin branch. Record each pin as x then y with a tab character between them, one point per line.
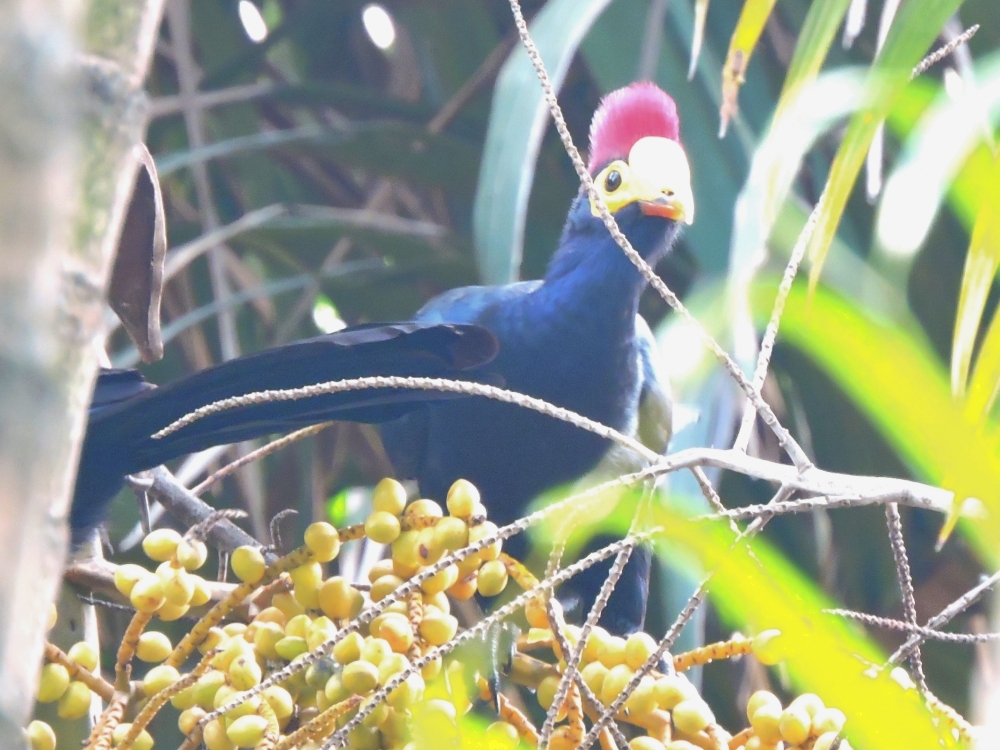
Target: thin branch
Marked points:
928	633
170	105
895	527
958	606
942	52
265	450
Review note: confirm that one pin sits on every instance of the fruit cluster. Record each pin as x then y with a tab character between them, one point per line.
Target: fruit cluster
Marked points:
291	657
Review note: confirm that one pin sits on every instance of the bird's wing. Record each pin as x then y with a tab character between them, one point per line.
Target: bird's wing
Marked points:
468	303
405	439
655	424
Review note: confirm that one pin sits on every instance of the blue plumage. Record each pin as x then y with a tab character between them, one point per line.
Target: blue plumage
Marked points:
573	339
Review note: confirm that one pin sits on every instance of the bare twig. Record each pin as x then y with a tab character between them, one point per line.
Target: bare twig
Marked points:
928	633
942	52
895	527
265	450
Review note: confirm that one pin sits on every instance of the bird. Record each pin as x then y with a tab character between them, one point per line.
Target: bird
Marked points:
573	338
126	411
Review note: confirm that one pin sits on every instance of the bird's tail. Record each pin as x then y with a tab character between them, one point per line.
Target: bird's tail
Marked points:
127	412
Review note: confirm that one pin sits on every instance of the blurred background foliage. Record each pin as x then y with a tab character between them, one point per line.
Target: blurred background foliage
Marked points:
330	163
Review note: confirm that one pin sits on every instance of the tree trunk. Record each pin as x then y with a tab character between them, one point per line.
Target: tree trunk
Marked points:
68	125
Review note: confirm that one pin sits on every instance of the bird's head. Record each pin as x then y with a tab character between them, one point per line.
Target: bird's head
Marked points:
642	173
636	158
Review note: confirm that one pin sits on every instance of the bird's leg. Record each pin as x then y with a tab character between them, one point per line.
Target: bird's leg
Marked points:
140	484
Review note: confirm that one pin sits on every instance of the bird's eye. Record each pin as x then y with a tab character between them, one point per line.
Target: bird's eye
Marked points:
613	181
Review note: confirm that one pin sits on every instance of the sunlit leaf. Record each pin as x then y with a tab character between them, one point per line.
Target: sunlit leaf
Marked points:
517	123
934	154
916	26
812	47
980	269
748	31
698	35
893	377
823	654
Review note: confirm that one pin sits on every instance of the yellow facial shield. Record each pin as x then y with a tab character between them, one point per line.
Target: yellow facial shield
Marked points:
657	176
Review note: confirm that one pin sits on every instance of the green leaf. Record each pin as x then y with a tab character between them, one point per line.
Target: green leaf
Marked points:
518	119
917	24
980	268
759	590
893	377
812	46
387	148
748	30
942	142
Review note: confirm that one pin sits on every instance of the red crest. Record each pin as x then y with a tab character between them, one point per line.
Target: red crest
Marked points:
626	115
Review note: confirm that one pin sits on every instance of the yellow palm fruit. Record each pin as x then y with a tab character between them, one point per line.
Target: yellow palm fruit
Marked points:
645	743
593	676
492	578
672	689
159	678
406	549
147	594
501	736
360	677
75	702
178	585
215	737
245	673
307	579
614	683
612	652
143	742
767	647
169	612
248	563
396	630
462	498
794	724
323	541
85	655
464	588
375	650
189	718
638	648
437	628
266	637
692	715
440	581
191	553
40	736
349	649
762	698
483	531
291	646
206	687
828	720
52	683
126	576
389	497
247	731
153	646
766	720
452	533
423	509
286	604
382	527
201	594
160	544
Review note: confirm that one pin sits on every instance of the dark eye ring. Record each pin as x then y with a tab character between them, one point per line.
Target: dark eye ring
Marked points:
613	181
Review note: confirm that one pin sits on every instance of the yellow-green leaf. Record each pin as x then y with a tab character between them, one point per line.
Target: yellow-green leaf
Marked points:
893	377
916	26
698	37
980	268
748	29
811	47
